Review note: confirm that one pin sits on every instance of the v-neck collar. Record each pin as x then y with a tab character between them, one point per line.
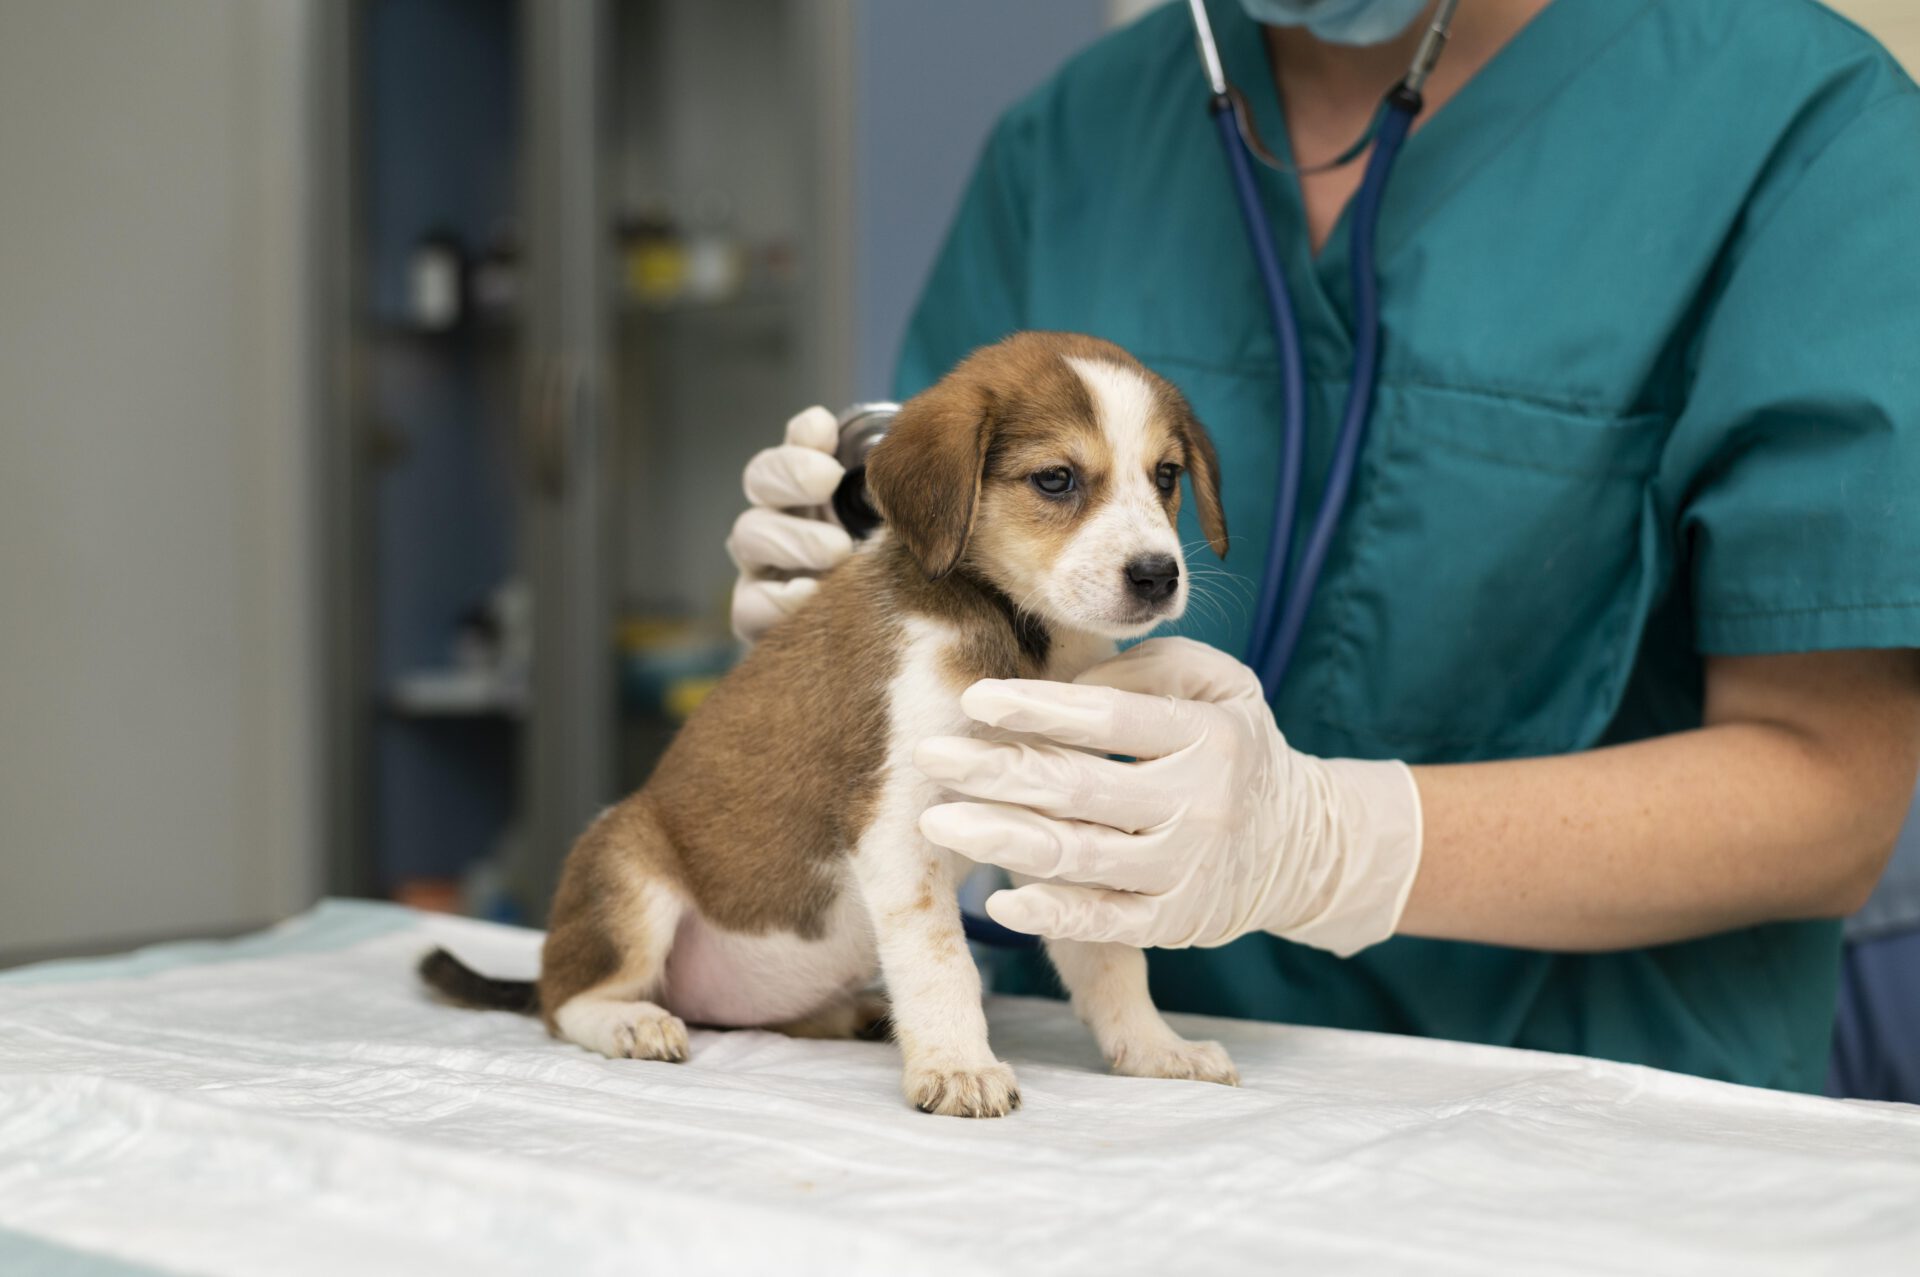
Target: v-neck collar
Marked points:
1442	155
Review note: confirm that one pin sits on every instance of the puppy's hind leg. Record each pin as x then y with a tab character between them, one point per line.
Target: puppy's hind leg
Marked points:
605	957
863	1016
1108	985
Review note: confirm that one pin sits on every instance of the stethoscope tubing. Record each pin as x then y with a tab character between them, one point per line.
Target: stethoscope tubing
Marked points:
1293	381
1281	606
1361	392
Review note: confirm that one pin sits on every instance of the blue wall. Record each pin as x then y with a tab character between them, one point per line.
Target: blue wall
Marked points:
933	76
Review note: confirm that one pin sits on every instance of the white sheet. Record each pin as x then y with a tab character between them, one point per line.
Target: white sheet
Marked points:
292	1104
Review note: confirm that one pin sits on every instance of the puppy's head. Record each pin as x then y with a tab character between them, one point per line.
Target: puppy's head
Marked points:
1049	465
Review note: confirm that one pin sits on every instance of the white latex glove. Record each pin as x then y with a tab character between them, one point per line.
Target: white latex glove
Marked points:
783	541
1220	829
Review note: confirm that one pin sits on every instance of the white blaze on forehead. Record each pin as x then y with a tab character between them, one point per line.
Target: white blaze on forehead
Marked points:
1088	582
1123	402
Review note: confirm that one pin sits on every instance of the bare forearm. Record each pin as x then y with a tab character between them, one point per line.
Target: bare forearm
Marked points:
1737	823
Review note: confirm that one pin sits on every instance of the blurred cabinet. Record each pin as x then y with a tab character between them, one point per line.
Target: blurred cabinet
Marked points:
599	255
683	303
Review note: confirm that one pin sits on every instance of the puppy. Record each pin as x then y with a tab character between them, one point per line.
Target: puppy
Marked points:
773	864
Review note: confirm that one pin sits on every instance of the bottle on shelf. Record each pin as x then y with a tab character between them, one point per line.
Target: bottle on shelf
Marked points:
494	283
434	277
716	266
653	257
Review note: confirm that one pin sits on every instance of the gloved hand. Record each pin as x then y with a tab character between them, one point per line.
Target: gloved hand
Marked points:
1220	829
783	540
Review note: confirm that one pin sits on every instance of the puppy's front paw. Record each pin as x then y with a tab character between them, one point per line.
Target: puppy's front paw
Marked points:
1190	1061
988	1092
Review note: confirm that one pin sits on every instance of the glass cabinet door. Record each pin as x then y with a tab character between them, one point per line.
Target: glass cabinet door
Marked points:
684	300
598	253
719	133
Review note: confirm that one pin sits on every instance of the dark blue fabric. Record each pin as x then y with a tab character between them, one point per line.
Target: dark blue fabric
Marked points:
1876	1031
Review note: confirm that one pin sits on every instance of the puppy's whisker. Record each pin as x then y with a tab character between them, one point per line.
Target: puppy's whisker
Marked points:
1240	587
1209	604
1196	547
1201	592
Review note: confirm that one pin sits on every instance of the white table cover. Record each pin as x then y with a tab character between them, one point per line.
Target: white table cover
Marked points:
292	1103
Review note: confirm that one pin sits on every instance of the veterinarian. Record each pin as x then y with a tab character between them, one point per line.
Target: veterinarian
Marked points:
1607	707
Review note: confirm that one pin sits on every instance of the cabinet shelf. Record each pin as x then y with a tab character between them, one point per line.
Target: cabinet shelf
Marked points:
489	326
456	693
752	303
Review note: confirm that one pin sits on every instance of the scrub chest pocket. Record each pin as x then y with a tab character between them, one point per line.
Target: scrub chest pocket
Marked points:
1486	593
1478	507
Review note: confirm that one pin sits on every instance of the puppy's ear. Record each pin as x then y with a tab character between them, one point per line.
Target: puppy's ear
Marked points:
924	475
1203	472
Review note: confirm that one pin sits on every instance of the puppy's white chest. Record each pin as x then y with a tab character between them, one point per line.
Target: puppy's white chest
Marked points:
925	697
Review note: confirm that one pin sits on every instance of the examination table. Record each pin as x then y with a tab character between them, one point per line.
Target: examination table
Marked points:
292	1103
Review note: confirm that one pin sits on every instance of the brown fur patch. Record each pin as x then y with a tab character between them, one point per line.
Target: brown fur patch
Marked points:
1004	411
595	919
779	773
924	475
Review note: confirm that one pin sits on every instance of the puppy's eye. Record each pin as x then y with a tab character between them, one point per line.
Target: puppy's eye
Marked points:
1054	482
1167	478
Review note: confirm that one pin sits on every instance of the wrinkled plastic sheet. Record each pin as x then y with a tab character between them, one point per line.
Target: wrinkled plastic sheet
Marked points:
292	1103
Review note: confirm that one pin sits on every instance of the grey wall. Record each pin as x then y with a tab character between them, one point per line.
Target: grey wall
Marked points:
154	698
933	76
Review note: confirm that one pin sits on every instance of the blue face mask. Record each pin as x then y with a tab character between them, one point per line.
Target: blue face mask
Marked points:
1339	21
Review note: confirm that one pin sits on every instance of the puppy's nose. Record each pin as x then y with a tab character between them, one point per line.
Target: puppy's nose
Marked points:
1153	576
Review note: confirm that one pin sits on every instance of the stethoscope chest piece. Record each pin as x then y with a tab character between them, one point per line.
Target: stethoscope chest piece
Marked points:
861	427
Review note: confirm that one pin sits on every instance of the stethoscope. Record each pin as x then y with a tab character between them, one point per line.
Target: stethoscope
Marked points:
1280	609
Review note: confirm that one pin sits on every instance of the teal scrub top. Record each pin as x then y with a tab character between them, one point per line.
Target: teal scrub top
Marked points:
1650	392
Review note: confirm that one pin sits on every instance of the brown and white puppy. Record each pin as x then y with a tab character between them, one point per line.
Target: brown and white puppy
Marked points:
773	864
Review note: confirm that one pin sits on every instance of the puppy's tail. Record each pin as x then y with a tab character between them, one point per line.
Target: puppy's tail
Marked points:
461	985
